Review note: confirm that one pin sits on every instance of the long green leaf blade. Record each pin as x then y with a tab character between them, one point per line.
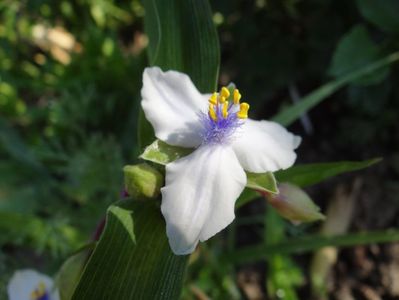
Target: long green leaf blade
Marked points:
310	243
289	115
183	38
133	259
305	175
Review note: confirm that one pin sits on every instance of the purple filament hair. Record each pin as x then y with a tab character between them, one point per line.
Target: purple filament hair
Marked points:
221	130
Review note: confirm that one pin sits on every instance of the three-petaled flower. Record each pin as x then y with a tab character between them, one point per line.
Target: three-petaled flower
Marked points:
201	188
31	285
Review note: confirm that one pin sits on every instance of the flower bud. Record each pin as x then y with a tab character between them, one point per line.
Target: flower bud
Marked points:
294	204
142	181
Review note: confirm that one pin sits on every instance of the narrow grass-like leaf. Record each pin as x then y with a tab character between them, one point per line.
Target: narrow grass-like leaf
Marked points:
289	115
305	175
132	260
310	243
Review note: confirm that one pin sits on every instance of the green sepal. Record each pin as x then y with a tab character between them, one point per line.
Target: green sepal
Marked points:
162	153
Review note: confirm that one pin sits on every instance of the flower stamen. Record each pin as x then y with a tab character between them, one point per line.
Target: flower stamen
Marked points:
39	292
243	113
214	99
225	115
236	96
212	112
224	109
224	92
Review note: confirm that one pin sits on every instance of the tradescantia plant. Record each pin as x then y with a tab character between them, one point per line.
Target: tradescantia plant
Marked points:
202	153
201	188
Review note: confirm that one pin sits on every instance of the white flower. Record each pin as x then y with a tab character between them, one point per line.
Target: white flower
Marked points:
31	285
201	188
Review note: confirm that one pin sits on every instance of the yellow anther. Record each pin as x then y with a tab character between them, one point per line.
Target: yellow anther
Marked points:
224	109
224	92
222	99
214	98
236	96
39	292
212	112
243	113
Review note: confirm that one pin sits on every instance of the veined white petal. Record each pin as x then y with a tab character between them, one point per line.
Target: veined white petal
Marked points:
199	195
24	282
171	103
263	146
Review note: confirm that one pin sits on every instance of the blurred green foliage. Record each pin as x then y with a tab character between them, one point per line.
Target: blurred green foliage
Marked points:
67	122
69	110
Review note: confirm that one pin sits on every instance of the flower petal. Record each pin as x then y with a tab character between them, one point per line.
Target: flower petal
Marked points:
24	282
171	103
199	195
263	146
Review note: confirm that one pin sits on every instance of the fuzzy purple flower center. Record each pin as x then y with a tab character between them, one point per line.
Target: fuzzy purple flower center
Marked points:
220	131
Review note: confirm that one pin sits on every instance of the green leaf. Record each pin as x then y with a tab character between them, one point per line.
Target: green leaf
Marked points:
71	270
132	260
182	37
264	182
289	115
384	13
305	175
282	273
354	50
162	153
246	196
309	243
145	131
